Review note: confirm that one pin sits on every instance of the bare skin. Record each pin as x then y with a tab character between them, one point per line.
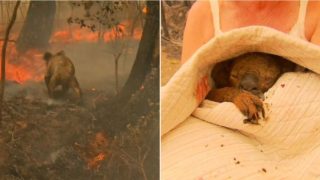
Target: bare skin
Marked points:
244	79
280	15
60	72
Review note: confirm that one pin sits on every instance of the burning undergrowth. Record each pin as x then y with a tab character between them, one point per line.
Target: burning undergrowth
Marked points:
66	140
22	67
70	141
74	34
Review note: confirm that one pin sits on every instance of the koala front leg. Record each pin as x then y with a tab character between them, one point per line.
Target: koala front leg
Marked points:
46	80
247	103
226	94
75	87
250	105
51	84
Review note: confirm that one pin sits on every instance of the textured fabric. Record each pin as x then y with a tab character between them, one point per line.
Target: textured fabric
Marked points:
210	141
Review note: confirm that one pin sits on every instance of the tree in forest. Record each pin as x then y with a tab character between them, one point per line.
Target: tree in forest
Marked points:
119	44
38	26
147	55
148	51
98	15
3	55
140	94
106	15
139	16
136	108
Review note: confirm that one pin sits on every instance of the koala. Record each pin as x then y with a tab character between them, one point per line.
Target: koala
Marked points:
60	72
244	79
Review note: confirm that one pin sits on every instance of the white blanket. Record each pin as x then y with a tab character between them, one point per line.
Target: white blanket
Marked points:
210	141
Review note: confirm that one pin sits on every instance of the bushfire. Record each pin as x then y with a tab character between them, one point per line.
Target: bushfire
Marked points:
71	35
30	66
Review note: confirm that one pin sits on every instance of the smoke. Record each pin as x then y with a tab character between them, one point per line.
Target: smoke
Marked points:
30	90
94	63
93	59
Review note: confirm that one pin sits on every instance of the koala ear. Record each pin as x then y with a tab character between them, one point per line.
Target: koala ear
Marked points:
47	56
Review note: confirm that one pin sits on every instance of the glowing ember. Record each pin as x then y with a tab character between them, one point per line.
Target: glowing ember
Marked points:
94	152
145	10
96	161
98	147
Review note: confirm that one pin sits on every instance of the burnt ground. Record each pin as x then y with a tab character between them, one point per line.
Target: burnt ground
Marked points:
71	141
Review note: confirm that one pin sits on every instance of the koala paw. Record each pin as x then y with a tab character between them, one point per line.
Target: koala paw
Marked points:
250	105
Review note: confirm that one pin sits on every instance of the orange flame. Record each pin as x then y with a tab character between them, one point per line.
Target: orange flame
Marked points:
99	146
95	163
145	10
77	34
21	68
29	66
94	152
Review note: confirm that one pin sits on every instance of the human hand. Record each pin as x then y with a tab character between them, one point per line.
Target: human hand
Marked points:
202	89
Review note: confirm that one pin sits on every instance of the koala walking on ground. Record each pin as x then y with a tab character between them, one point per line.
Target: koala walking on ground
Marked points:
60	72
244	79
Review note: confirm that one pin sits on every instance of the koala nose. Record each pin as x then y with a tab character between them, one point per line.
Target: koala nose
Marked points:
250	82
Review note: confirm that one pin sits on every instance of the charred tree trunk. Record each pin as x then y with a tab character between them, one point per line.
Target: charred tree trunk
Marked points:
145	54
3	55
37	28
164	22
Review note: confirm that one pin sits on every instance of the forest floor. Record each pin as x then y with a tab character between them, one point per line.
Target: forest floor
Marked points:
65	140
